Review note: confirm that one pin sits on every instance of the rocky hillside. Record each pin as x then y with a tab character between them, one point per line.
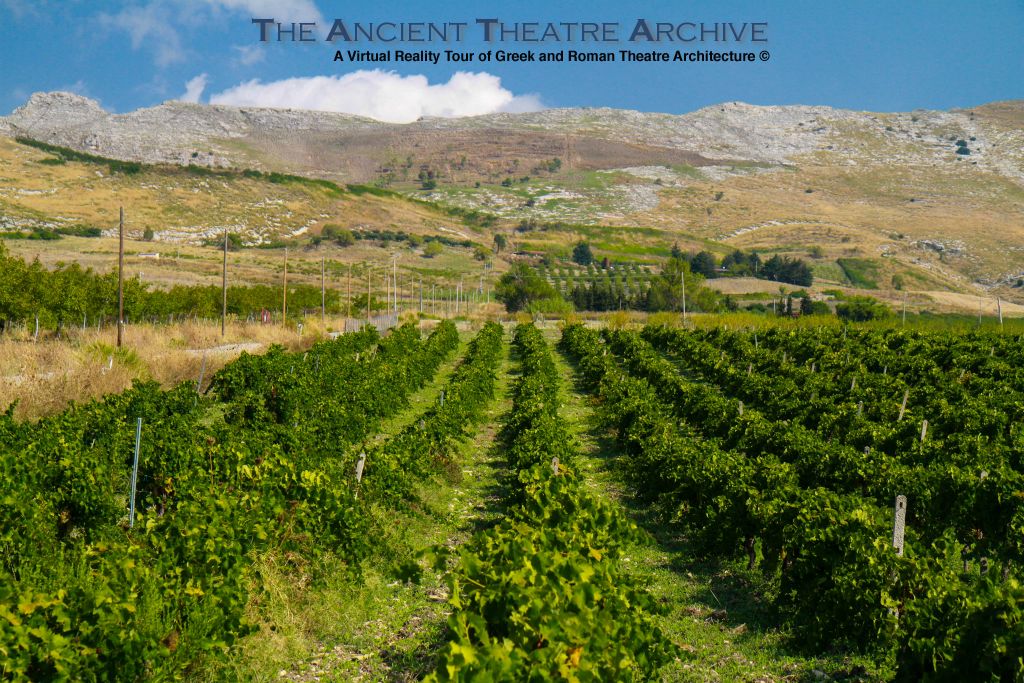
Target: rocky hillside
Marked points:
356	149
933	196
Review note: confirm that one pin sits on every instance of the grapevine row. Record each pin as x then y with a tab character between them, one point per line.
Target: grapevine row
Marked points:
541	596
426	445
839	579
260	468
854	399
949	493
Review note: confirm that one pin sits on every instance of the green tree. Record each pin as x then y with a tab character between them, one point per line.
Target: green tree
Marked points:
500	242
704	264
786	269
666	290
550	306
521	286
582	254
345	238
862	308
736	263
359	304
809	307
15	289
433	249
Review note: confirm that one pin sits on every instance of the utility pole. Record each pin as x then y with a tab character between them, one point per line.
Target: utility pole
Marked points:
120	278
904	309
682	279
394	273
367	291
284	290
224	287
323	291
348	293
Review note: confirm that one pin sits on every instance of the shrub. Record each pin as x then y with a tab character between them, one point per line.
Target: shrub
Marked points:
862	308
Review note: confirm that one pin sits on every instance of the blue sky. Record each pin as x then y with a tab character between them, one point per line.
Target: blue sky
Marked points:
883	56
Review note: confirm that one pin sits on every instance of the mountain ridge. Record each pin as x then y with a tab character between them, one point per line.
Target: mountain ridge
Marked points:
932	195
175	131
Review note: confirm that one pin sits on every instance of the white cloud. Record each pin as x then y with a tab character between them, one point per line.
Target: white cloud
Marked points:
157	87
19	8
155	24
194	88
79	87
149	25
383	95
281	10
249	54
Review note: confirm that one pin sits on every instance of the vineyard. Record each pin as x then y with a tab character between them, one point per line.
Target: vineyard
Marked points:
579	505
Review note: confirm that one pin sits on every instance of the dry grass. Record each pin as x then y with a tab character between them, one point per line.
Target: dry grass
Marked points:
43	377
747	285
178	205
956	302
